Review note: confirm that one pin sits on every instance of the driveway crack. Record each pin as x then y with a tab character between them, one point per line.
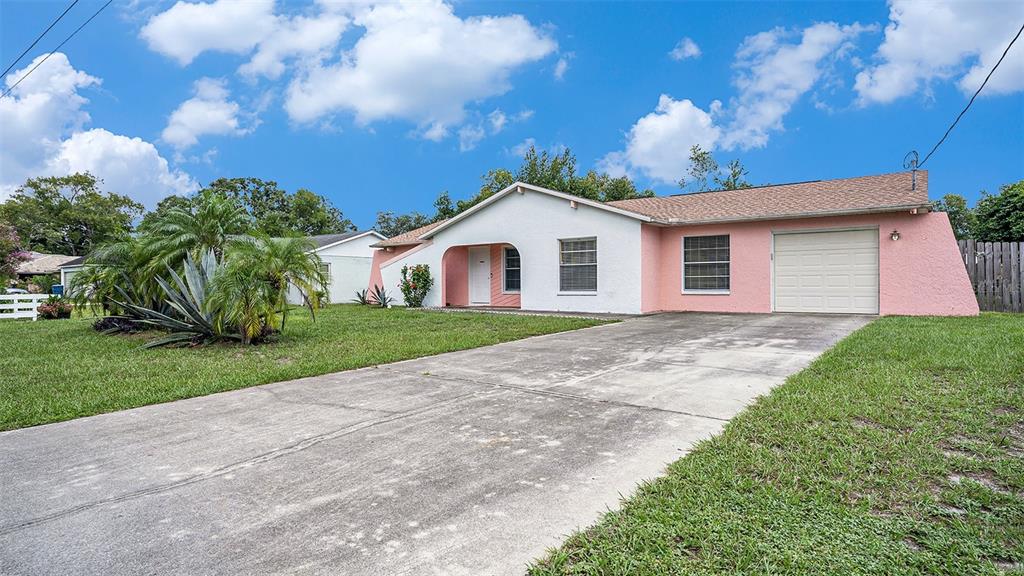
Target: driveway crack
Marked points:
233	467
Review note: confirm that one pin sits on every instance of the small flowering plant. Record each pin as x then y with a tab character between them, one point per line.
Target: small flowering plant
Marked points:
415	284
11	254
55	308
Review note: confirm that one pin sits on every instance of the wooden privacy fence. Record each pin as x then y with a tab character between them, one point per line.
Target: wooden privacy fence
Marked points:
20	305
997	273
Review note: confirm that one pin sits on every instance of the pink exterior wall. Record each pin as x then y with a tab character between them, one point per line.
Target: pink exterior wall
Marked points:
455	276
380	256
498	296
650	266
920	274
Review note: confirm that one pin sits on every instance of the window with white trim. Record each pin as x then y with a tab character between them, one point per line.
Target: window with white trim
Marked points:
513	274
577	270
706	264
325	268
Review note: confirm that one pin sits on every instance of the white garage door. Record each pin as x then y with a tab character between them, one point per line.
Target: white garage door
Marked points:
827	272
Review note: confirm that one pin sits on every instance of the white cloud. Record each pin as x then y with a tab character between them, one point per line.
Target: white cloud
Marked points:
686	48
658	145
469	136
773	75
943	41
187	29
523	147
562	66
129	166
37	114
41	134
497	119
419	62
208	112
303	37
773	72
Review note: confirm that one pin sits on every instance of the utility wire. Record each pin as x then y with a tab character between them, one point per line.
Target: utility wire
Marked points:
38	38
47	57
964	111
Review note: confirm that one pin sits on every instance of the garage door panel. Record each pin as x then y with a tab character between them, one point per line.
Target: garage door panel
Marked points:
835	272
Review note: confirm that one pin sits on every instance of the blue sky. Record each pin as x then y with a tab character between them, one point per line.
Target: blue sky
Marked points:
382	107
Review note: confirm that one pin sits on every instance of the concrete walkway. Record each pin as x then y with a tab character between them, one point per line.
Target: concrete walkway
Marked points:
465	463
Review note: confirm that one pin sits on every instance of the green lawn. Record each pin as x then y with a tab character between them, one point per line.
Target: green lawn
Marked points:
60	369
900	451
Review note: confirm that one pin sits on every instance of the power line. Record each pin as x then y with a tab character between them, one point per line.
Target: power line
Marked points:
964	111
47	57
38	38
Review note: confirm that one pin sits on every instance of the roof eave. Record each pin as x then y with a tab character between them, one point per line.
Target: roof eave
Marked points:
795	216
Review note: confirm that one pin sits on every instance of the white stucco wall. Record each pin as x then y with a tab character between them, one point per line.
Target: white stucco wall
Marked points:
350	264
534	222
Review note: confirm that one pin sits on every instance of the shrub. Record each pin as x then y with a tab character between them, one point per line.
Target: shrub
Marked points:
415	284
55	308
117	324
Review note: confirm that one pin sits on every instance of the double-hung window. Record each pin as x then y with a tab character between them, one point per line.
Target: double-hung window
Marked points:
706	264
577	270
513	275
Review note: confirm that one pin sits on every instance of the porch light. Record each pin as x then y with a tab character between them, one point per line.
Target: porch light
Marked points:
895	235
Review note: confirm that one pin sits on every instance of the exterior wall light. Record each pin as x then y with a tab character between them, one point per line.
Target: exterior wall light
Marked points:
895	235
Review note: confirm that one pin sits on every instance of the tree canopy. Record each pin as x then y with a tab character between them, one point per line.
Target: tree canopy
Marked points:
554	170
272	210
705	174
995	217
68	214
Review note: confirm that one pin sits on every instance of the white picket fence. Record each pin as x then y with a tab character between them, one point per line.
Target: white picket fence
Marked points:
20	305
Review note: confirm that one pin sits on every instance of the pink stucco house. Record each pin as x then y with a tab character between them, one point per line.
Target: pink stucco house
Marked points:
865	245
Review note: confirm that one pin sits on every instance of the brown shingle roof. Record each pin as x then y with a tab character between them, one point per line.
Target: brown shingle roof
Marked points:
410	237
882	193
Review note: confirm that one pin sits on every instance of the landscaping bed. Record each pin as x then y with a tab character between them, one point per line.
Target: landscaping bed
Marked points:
899	451
62	369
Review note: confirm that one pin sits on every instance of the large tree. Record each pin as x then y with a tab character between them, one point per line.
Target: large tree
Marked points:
961	217
1000	217
273	211
68	214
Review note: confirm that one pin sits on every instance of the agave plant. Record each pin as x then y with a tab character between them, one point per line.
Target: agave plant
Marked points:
380	297
190	317
362	297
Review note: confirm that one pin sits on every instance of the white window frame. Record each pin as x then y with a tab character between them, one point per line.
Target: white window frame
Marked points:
504	268
325	268
595	265
682	271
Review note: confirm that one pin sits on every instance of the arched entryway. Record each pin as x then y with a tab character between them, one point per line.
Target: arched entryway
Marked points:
485	275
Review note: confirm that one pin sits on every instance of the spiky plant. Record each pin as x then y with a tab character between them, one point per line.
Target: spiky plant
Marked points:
362	297
380	297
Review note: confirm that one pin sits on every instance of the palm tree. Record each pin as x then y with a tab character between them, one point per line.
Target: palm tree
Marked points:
123	264
282	263
243	302
210	224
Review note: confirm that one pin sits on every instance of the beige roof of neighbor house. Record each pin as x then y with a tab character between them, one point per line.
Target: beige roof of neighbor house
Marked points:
44	264
410	237
864	194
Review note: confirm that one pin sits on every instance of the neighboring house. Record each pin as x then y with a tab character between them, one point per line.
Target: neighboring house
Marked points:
867	245
347	258
68	271
43	264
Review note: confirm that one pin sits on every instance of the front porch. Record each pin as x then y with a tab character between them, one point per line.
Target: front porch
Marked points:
483	275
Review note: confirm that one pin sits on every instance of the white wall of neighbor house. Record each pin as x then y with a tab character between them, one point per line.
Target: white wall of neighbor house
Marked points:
534	223
348	266
66	274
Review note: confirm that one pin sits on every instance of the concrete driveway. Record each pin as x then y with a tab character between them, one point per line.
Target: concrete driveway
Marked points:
465	463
